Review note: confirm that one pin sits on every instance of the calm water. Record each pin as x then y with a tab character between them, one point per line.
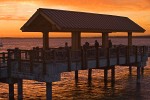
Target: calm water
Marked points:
125	87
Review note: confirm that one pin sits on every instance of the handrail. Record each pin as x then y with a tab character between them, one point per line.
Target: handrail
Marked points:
68	56
60	54
3	57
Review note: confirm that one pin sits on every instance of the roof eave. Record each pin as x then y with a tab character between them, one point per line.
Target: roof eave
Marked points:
49	20
25	29
29	21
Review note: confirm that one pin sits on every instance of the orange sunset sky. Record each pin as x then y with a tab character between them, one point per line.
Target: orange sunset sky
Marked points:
14	13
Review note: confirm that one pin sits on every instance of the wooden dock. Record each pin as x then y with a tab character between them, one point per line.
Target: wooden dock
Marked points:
47	65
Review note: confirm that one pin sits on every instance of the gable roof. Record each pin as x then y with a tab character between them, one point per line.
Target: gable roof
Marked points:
53	20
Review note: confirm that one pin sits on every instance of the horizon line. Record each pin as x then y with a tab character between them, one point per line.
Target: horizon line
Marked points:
145	36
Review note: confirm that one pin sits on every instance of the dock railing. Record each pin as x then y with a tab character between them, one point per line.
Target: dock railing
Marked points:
60	55
3	59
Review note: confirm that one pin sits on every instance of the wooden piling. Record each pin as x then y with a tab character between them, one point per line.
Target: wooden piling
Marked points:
76	75
76	45
130	70
48	90
20	89
105	75
11	91
89	74
113	75
142	70
138	74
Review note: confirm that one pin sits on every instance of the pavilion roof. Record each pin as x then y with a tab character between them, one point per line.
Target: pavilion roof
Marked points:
53	20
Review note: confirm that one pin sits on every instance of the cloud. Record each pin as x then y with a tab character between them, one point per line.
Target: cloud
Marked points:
16	10
13	18
100	5
25	8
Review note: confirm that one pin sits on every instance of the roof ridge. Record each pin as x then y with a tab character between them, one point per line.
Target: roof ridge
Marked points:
73	11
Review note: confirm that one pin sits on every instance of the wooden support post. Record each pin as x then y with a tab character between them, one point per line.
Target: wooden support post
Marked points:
108	57
136	54
69	60
48	90
142	70
89	74
130	70
105	44
118	55
76	40
105	75
129	38
17	56
31	61
138	74
82	59
76	75
127	54
9	64
45	40
113	75
11	91
129	46
45	47
19	60
44	64
105	40
76	45
20	89
97	57
85	59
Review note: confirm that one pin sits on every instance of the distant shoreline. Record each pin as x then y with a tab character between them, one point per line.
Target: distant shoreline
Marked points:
70	37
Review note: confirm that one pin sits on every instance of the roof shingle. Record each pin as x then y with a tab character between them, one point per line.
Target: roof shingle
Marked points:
86	22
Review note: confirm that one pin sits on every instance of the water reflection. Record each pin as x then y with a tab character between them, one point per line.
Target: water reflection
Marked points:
125	87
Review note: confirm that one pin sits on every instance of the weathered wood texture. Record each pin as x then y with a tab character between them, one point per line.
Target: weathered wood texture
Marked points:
46	65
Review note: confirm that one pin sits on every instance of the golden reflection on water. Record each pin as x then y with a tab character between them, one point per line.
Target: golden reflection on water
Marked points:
125	87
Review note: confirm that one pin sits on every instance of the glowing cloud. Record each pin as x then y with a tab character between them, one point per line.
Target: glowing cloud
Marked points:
22	10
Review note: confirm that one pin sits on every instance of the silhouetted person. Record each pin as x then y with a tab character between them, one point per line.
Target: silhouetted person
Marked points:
86	46
110	44
96	44
66	49
66	45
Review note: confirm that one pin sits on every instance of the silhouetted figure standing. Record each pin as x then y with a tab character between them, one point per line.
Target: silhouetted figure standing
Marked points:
66	45
66	49
96	44
86	46
110	44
